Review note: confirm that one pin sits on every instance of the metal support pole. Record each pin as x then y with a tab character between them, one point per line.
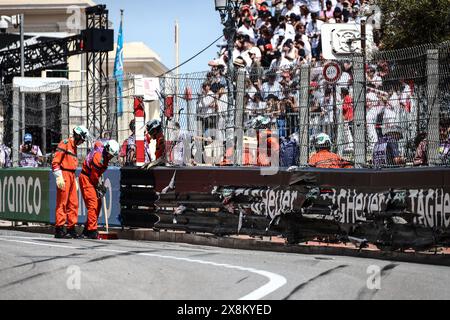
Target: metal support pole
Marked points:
16	128
22	68
239	119
303	121
113	121
44	123
334	129
230	31
433	106
65	111
360	137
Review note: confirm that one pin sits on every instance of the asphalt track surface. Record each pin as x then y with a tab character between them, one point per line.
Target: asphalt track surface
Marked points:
40	267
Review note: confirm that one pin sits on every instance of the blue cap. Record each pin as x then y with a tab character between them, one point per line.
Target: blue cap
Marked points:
28	138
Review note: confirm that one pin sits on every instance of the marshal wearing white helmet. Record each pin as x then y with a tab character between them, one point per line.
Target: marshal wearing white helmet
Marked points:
92	189
324	158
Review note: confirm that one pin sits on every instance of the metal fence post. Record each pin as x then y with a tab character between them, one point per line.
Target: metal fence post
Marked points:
433	106
359	100
44	123
64	111
15	123
303	120
239	119
113	121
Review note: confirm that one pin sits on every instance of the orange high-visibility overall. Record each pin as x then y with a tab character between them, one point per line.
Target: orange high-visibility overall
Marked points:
65	159
89	179
325	159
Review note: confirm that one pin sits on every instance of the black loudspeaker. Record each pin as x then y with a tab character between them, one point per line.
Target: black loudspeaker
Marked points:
98	40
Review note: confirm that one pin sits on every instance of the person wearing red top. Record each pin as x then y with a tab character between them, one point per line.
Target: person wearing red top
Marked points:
155	132
347	107
92	190
64	165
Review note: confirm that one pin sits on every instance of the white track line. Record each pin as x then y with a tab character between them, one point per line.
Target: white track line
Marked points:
275	281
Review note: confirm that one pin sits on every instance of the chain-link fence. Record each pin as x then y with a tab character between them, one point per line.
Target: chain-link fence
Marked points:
391	110
49	110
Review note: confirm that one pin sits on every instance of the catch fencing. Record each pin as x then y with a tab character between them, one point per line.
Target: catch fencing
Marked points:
403	94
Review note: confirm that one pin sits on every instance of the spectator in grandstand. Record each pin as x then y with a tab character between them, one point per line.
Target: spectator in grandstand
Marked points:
324	158
265	46
316	102
247	29
290	8
354	16
221	108
444	149
305	16
256	69
279	6
286	85
328	12
279	63
337	16
373	79
302	43
328	112
347	115
290	52
314	6
277	111
256	106
374	107
272	86
291	110
30	156
313	31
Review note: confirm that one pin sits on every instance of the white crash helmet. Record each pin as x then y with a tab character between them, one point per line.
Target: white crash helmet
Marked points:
112	147
82	132
322	140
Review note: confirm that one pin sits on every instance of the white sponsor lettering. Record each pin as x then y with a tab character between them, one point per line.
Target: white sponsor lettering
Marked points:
19	195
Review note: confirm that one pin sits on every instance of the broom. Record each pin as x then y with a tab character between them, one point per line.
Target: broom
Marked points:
107	235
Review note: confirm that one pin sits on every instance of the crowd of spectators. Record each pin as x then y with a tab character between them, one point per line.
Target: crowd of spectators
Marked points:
274	39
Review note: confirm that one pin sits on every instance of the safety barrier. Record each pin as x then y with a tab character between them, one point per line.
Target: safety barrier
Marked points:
395	208
29	195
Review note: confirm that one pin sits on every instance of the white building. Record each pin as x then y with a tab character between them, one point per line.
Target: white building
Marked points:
61	18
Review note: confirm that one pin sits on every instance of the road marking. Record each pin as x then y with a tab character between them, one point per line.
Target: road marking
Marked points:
275	281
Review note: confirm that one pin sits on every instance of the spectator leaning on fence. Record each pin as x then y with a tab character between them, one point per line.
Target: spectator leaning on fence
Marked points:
5	156
30	155
127	156
386	151
421	155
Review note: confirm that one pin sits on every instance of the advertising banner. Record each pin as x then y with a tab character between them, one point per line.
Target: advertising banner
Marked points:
111	205
24	195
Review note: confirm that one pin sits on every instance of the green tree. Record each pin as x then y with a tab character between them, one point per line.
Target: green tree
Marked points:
408	23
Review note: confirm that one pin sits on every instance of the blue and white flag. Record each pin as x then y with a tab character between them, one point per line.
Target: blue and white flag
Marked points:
118	69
